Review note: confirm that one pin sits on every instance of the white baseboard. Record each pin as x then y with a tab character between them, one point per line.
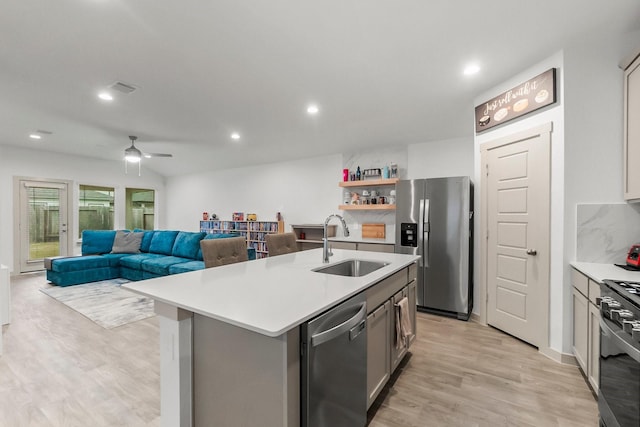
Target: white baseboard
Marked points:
476	318
556	356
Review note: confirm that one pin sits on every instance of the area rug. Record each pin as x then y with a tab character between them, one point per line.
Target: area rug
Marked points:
105	302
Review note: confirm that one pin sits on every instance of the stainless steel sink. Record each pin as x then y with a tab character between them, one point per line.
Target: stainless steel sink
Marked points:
352	268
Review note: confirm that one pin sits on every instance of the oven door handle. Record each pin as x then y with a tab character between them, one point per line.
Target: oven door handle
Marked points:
633	352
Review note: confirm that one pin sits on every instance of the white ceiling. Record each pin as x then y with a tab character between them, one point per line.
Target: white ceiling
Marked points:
383	72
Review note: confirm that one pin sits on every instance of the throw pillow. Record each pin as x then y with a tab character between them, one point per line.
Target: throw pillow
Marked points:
127	242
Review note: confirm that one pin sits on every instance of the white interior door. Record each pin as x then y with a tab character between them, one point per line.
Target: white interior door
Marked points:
43	220
517	179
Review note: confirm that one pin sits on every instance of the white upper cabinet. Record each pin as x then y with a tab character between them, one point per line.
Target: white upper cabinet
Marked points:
632	131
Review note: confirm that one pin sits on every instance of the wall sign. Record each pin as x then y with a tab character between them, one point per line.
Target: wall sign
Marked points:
531	95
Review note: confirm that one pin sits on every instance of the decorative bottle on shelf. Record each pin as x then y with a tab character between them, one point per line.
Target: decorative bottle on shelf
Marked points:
358	174
393	170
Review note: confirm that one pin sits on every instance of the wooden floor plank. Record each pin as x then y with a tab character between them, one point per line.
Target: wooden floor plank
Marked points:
61	369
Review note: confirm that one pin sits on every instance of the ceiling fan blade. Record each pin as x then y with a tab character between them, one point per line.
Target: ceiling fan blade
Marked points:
149	155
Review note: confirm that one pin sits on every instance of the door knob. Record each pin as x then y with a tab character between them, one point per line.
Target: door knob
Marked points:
532	252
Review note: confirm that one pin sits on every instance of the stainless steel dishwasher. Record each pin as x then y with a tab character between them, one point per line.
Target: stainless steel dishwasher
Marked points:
334	367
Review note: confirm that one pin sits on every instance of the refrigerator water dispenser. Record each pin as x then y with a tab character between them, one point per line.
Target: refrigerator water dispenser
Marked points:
409	234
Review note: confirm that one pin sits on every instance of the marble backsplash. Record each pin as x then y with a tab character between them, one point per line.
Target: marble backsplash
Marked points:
606	231
374	158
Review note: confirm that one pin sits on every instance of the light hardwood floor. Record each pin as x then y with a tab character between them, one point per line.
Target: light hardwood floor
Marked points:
61	369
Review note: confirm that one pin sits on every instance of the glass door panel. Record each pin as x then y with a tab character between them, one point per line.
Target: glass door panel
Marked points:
43	223
140	209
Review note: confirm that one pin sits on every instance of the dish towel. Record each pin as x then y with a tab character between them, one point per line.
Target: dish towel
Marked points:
403	323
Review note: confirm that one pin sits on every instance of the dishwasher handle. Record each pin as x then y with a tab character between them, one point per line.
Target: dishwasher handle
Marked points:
342	328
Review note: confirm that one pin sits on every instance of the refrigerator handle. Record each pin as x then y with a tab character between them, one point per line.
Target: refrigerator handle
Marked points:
424	230
420	233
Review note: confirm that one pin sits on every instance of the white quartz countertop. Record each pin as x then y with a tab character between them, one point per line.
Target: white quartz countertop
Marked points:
600	272
271	295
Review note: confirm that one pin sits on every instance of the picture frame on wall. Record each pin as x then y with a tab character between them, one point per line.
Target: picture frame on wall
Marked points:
527	97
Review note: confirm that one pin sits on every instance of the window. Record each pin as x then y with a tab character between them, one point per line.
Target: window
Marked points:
140	208
95	208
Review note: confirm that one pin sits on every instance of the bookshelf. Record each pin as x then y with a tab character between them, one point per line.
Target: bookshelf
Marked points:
253	231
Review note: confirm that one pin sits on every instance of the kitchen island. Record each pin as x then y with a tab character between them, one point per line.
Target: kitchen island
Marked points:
230	340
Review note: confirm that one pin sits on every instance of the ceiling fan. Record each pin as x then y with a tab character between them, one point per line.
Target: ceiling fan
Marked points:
133	155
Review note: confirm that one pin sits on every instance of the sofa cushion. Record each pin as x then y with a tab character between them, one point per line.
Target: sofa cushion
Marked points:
48	261
146	239
161	265
187	244
198	256
114	259
162	242
185	267
96	242
126	242
146	275
82	276
130	273
88	262
135	261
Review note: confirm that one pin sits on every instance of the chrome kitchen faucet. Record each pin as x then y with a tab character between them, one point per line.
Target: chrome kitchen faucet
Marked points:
325	243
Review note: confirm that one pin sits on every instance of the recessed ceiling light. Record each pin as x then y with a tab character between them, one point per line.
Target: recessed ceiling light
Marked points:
35	136
471	69
105	96
235	136
313	109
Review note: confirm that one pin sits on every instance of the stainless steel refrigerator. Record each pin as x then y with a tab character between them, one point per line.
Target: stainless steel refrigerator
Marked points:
434	219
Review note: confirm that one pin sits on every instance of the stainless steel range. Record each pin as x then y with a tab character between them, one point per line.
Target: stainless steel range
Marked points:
619	394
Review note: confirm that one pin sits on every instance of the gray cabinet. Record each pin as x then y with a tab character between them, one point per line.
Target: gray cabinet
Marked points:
359	246
412	294
344	245
580	327
593	353
378	355
398	349
376	247
632	131
382	356
586	326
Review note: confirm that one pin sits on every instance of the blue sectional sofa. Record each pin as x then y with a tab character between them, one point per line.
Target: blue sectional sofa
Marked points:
161	252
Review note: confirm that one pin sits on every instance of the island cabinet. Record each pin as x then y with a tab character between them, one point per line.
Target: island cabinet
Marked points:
384	352
378	350
231	336
240	376
586	325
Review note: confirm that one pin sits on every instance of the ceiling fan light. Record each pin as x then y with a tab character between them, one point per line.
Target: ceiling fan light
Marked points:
132	154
